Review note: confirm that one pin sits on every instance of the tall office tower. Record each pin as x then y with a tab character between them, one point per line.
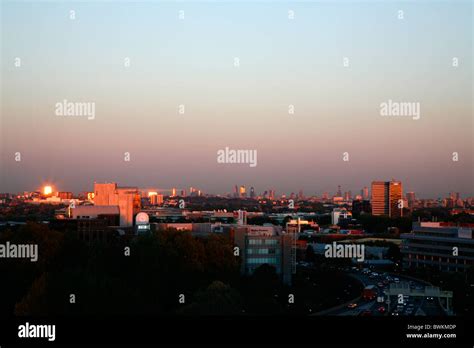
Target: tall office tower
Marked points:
272	194
386	196
300	194
126	198
454	195
183	193
325	196
242	192
339	192
265	194
411	198
236	191
173	192
252	192
347	196
365	193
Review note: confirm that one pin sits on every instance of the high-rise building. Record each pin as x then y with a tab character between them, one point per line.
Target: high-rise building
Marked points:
242	192
126	198
173	192
386	198
300	195
261	245
271	195
411	199
347	196
252	192
365	193
339	192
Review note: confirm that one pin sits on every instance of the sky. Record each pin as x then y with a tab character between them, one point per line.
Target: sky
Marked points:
282	62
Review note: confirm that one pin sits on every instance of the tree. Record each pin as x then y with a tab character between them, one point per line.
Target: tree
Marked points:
217	299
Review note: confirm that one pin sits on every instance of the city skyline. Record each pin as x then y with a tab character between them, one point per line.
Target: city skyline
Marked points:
364	192
303	94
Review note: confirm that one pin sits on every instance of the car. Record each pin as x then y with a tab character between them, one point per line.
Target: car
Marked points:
366	313
380	285
430	298
352	305
381	309
396	280
395	313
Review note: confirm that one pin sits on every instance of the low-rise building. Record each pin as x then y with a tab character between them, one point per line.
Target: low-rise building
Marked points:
441	245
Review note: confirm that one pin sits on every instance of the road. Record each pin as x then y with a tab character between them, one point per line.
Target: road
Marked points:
410	307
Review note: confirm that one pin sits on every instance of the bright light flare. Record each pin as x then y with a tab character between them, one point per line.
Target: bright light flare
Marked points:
47	190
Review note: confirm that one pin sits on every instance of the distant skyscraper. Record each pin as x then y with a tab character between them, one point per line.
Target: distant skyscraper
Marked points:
454	195
386	196
339	192
243	192
236	191
271	195
348	196
183	193
411	199
252	192
365	193
173	192
300	195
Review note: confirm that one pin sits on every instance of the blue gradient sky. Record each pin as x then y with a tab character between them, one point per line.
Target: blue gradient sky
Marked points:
282	61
